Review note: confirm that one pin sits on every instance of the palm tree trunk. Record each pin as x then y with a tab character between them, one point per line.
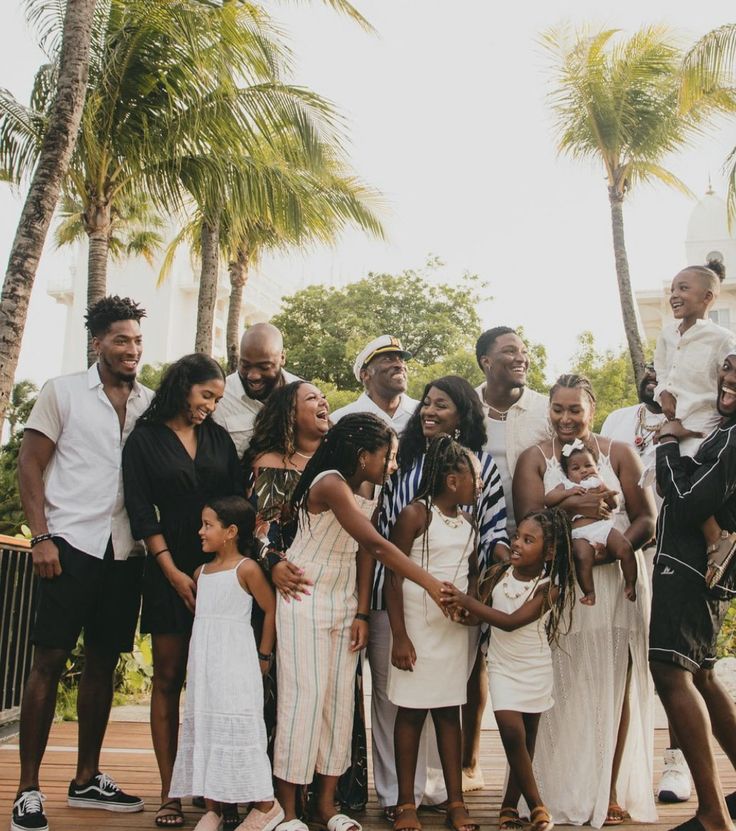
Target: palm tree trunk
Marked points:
97	220
53	163
207	286
238	269
626	297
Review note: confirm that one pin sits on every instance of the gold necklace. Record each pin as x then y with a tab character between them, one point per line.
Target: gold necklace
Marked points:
303	455
450	521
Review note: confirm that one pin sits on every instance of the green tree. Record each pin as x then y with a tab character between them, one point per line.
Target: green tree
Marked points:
325	328
609	372
46	160
616	101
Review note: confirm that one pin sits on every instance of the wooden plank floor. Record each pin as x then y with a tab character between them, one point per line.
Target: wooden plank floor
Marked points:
128	757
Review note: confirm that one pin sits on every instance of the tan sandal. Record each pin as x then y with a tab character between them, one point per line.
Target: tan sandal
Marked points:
541	819
616	815
406	818
509	819
458	818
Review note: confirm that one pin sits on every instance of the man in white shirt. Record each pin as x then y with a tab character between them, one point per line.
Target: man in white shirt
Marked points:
381	367
516	417
260	372
90	568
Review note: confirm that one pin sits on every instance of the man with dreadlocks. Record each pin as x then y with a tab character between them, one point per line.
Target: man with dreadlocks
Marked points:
89	566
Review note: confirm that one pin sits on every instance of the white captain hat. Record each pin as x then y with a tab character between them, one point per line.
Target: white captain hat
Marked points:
378	346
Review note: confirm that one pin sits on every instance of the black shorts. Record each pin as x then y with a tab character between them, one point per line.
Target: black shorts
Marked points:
100	596
685	620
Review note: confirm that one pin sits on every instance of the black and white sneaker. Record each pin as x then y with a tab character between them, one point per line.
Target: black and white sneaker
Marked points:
28	812
102	792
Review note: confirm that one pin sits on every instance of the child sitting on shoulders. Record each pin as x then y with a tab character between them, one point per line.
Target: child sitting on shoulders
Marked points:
686	360
591	537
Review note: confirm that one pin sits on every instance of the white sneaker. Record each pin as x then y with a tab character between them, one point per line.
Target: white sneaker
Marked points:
675	784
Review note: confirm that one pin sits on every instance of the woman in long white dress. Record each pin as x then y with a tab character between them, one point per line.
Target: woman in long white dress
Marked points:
594	751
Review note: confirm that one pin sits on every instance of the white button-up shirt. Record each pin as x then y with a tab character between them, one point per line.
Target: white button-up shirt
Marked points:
687	367
83	482
237	411
364	404
527	423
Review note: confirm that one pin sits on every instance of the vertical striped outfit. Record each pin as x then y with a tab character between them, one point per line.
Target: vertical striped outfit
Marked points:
314	665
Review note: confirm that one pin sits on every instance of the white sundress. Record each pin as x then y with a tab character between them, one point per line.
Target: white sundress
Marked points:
577	737
222	741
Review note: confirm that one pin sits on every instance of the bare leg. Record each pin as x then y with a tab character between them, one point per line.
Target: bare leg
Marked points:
286	795
326	790
169	670
584	555
93	709
623	729
688	714
472	716
449	743
513	789
212	805
37	711
407	732
512	727
621	549
721	710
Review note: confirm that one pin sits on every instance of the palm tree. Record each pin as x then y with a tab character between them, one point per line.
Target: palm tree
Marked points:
165	88
315	205
616	101
52	157
708	72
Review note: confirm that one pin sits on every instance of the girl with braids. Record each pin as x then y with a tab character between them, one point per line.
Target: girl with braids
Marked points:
448	405
602	773
433	532
532	593
175	460
319	638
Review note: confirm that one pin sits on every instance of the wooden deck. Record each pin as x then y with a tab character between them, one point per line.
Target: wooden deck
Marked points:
128	757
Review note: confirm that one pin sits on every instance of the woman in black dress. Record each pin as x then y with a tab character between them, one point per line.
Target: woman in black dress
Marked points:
175	460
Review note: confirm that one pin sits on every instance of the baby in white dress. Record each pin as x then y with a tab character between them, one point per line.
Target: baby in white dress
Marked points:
591	537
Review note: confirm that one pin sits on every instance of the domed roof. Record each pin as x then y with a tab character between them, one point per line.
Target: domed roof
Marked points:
708	221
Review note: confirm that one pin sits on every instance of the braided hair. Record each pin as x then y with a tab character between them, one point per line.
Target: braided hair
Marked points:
573	381
339	451
275	425
170	399
444	456
557	540
471	428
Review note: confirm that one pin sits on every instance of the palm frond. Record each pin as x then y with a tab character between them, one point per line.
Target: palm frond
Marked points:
709	65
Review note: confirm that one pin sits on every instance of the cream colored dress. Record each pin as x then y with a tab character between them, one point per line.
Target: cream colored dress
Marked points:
440	675
577	737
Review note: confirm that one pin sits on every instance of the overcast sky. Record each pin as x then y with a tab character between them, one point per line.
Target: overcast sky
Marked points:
448	119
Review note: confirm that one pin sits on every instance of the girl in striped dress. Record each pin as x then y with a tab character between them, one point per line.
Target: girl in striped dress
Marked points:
319	638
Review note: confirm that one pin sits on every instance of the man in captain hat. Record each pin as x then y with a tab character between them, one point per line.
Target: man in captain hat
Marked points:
381	368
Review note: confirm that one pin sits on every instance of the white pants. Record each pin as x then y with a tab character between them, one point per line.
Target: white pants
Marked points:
429	784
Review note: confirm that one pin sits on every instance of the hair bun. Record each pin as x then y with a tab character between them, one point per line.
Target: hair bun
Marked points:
717	266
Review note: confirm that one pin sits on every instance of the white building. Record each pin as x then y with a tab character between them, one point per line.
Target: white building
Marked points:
171	308
708	237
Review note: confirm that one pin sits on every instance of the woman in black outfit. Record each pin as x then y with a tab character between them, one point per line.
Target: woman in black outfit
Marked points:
175	460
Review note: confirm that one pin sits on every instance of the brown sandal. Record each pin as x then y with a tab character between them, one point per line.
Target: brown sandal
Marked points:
509	819
541	819
458	818
616	815
406	818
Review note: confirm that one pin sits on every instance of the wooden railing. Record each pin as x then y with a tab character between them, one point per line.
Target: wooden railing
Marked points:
17	597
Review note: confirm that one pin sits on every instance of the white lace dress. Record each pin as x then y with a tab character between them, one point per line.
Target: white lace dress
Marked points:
577	737
222	741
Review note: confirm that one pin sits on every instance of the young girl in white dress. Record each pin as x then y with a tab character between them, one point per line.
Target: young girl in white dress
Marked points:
430	651
222	743
525	602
